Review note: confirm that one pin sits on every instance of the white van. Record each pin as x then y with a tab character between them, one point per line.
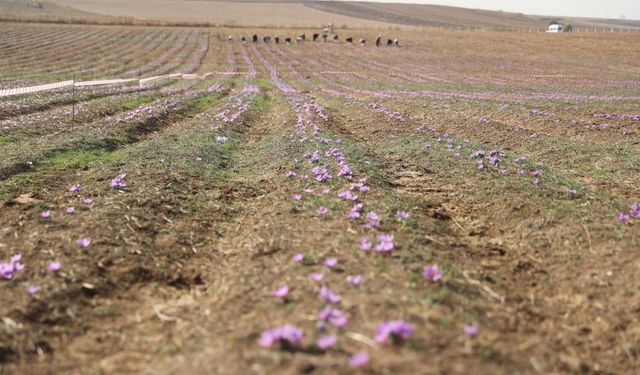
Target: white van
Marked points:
555	28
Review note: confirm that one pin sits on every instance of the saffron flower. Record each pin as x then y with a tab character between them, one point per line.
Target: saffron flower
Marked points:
402	215
432	273
327	341
330	262
286	334
296	197
359	359
622	217
8	270
536	182
471	330
117	183
299	257
87	201
394	329
75	188
290	174
352	215
281	292
385	243
53	266
334	316
635	210
316	276
365	244
221	139
354	280
347	195
322	211
83	242
70	210
45	214
328	296
373	220
32	289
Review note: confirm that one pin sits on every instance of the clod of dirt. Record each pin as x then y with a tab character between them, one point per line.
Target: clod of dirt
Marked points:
23	199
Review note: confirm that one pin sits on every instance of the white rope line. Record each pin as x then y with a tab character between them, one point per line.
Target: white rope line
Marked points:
105	82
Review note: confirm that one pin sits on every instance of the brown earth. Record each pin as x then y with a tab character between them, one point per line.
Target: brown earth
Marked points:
183	260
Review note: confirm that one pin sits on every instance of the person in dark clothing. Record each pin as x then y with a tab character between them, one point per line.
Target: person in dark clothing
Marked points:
378	41
255	38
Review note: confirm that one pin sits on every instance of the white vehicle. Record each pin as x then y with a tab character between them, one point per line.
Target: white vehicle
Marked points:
555	28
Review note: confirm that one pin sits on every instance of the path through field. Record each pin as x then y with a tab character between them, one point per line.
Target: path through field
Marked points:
317	186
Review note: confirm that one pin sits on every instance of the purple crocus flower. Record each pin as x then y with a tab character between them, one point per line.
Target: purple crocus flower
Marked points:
117	183
32	289
83	242
432	273
70	210
622	217
87	201
327	341
365	244
373	220
359	359
316	276
45	214
75	188
396	329
322	211
296	197
290	174
285	334
402	215
330	262
536	181
221	139
385	243
354	280
281	292
299	257
53	266
328	296
332	315
8	270
471	330
635	210
352	215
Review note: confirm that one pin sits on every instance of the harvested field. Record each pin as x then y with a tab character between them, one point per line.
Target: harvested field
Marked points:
477	190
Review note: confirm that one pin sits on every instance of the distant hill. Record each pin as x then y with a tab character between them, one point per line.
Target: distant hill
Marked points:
299	13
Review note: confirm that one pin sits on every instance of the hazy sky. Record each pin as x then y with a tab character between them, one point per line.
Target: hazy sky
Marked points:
577	8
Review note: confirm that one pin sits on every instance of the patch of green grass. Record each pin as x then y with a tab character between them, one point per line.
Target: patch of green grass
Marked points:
73	159
262	83
202	103
135	102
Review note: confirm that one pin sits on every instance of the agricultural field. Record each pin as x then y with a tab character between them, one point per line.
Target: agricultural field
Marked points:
466	202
